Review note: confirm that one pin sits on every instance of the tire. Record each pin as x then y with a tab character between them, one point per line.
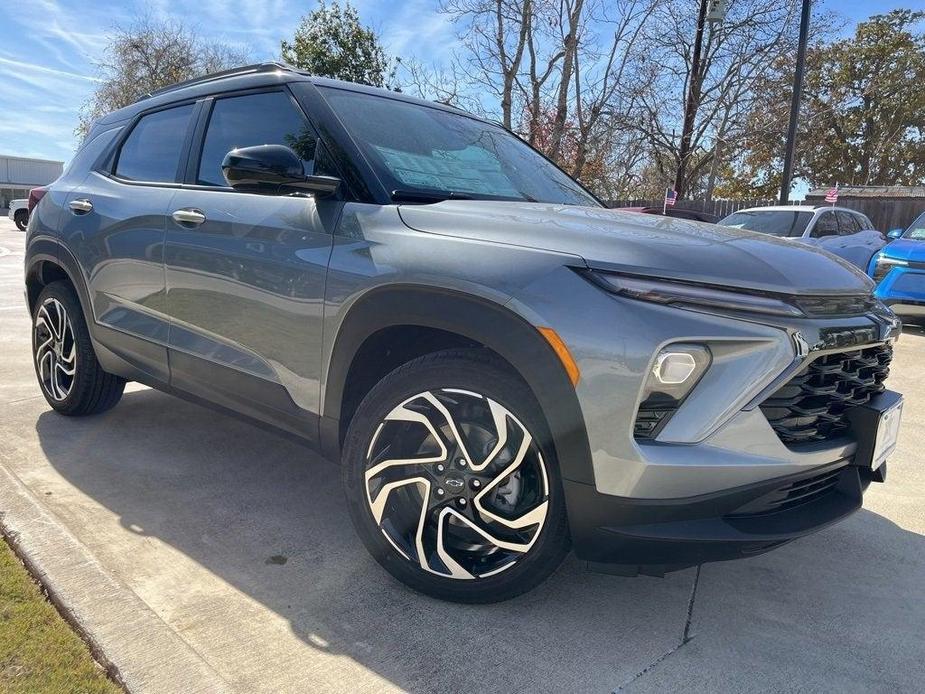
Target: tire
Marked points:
500	476
21	218
71	378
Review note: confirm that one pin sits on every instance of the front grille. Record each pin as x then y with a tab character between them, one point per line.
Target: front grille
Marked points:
824	306
793	494
813	405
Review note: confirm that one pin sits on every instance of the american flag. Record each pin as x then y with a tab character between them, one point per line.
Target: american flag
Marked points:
671	197
832	195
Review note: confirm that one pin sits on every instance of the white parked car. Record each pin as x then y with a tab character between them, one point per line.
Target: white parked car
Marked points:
846	233
19	213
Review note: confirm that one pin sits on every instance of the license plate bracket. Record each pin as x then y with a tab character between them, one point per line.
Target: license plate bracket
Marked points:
876	427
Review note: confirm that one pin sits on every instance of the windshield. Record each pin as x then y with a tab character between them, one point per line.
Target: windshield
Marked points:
430	154
916	230
775	222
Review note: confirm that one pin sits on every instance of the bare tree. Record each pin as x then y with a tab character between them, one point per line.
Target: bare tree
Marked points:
147	55
562	72
736	54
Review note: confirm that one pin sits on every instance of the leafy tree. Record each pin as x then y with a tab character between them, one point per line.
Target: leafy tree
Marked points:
862	121
147	55
331	42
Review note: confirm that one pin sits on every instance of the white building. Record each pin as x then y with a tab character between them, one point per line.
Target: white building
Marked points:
19	174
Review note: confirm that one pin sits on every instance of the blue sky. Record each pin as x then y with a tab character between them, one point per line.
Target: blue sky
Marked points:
47	67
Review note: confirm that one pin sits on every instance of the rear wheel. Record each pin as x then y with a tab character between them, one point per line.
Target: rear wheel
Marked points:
452	481
21	218
71	378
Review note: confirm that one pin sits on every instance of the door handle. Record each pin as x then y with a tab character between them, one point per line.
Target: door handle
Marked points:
80	206
188	217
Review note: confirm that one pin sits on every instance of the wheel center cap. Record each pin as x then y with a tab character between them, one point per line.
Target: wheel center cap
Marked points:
454	484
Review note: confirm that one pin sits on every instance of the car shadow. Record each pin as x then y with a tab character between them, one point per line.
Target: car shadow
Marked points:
266	515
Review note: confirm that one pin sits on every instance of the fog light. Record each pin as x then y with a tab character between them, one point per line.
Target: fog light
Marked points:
675	372
673	368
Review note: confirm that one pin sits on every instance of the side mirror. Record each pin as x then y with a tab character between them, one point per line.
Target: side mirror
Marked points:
273	170
894	233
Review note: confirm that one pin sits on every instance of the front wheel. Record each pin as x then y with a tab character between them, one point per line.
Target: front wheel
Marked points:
452	480
21	218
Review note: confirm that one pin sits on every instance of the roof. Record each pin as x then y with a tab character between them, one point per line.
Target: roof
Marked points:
872	192
36	159
780	208
247	76
794	208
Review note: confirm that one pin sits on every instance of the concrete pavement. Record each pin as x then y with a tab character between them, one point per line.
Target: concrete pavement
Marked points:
171	527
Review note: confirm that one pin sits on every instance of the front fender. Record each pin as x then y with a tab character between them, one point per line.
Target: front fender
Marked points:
491	324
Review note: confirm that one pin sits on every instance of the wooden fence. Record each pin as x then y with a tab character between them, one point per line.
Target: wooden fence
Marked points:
885	212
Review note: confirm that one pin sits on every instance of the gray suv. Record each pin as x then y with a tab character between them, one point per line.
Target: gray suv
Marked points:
504	368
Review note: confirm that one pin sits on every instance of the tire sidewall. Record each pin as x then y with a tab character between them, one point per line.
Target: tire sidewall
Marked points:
83	347
484	377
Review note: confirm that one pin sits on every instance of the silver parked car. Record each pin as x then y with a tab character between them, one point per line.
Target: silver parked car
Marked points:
846	233
504	367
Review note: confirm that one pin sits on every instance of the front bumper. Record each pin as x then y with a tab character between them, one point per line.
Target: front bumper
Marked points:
659	535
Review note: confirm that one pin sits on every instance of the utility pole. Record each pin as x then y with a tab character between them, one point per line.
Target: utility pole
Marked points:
787	177
690	108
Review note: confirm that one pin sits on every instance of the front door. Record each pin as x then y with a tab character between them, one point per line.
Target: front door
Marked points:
245	273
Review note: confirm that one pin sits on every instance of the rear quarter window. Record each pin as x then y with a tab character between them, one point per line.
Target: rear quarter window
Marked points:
151	152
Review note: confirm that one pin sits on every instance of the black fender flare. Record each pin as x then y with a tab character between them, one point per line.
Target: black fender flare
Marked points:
477	319
48	249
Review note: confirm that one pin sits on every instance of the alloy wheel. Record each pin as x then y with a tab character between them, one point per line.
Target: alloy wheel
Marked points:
456	484
55	349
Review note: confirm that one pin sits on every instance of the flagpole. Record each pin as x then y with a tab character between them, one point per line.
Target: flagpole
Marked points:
665	203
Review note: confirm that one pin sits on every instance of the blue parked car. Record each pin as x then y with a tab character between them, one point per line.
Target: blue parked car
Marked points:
899	271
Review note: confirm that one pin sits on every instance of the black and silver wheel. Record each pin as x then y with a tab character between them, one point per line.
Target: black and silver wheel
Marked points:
71	378
21	219
452	482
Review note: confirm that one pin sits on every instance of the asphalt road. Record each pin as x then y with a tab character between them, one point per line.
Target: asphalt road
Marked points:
235	543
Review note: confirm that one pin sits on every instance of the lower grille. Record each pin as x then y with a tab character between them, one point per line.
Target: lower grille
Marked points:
788	496
813	405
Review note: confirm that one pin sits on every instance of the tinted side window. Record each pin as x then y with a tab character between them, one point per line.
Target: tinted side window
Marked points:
257	119
847	223
863	222
826	225
152	150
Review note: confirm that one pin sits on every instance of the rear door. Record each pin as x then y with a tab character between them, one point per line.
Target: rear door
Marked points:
116	223
245	280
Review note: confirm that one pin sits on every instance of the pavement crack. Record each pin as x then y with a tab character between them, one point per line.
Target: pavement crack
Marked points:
686	637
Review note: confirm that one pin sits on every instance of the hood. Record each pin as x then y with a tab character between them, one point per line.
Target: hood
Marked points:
905	249
645	244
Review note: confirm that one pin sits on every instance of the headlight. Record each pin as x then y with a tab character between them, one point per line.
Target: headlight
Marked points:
674	373
693	296
884	265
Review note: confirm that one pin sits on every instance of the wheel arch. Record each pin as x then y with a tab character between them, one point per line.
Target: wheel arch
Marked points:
48	261
462	320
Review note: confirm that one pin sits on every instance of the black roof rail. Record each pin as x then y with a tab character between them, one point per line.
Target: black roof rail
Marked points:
242	70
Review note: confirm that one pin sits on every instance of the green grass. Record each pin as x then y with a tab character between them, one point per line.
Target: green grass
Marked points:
39	653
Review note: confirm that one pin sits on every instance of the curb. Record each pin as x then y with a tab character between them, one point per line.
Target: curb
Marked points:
125	636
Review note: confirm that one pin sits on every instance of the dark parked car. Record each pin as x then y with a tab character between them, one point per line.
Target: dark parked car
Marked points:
504	367
677	212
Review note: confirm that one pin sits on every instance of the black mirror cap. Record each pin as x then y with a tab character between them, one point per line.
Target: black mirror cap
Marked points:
272	170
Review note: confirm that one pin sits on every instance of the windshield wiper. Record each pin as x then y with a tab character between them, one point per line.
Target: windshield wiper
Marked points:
428	196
